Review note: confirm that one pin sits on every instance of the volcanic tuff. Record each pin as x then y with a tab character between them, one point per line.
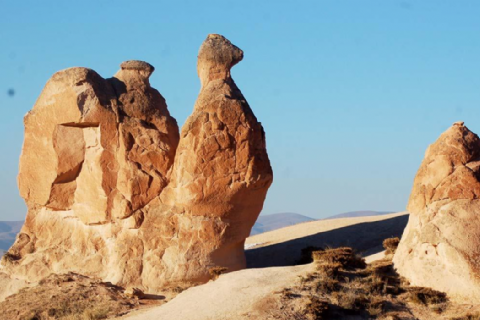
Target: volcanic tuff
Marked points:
441	243
114	191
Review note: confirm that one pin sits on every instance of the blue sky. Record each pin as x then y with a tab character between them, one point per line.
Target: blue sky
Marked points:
350	93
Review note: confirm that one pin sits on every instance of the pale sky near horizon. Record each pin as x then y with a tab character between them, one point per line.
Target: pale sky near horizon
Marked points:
350	93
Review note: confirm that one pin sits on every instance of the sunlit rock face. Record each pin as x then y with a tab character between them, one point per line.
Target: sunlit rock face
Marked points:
440	247
114	191
221	172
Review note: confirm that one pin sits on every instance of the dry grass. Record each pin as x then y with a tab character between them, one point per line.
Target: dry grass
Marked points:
345	256
330	270
316	308
327	285
343	286
67	297
426	296
216	272
391	245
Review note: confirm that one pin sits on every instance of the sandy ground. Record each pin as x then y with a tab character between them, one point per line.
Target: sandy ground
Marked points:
232	296
235	295
375	257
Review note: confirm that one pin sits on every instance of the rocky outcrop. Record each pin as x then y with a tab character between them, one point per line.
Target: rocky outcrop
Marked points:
221	172
113	191
441	245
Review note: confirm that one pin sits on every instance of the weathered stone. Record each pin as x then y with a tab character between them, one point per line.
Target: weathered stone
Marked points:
95	153
441	244
110	195
222	172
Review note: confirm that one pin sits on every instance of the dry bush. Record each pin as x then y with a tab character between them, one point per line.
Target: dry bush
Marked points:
391	245
376	306
350	299
381	267
287	293
316	308
345	256
215	272
310	277
381	278
68	297
330	270
347	287
426	296
327	285
374	285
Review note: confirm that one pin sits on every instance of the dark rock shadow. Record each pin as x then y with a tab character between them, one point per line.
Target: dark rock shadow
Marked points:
366	238
153	297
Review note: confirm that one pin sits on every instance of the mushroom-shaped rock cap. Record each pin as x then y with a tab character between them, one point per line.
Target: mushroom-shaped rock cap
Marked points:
216	57
137	65
133	71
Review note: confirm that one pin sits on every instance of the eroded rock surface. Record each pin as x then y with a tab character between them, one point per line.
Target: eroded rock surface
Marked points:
221	172
440	247
114	192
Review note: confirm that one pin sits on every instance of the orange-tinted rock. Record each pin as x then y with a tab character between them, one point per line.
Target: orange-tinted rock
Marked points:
95	153
221	172
441	244
114	192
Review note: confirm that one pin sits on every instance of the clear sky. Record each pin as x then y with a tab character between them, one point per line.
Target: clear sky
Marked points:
350	93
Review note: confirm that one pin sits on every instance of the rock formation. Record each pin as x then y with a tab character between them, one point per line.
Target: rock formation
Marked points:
114	192
440	247
221	172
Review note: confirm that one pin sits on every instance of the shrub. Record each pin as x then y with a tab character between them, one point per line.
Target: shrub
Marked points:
330	270
426	296
316	308
346	257
391	245
352	300
288	294
375	285
327	285
376	306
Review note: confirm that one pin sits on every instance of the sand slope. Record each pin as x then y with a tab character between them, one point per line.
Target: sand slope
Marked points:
283	247
276	221
232	296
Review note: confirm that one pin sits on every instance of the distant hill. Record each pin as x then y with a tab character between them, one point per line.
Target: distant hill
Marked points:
8	233
276	221
353	214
